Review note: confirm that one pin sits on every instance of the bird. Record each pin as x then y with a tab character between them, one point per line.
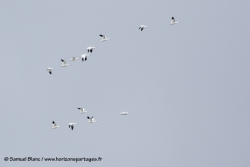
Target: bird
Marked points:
90	49
74	58
91	120
64	63
104	38
173	22
82	110
142	27
84	57
54	126
71	125
124	113
49	69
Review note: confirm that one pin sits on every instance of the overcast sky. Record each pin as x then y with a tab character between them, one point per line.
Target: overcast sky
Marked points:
186	87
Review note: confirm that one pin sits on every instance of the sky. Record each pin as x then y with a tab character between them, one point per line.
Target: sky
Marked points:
186	87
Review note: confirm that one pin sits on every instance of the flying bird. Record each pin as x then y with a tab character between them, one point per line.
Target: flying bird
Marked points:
71	125
91	120
54	126
64	63
82	110
104	38
90	49
84	57
124	113
173	22
142	27
74	58
49	69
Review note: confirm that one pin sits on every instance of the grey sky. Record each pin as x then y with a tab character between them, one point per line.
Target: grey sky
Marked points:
186	87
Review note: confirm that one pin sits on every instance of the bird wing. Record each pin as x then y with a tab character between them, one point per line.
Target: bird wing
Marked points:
72	127
50	71
54	124
103	36
63	62
173	20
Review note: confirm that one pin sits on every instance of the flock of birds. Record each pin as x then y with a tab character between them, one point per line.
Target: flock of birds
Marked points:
84	58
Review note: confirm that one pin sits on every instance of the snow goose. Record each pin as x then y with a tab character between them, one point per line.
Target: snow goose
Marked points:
54	126
82	110
64	63
74	58
124	113
104	38
71	125
49	69
142	27
173	22
84	57
90	49
91	120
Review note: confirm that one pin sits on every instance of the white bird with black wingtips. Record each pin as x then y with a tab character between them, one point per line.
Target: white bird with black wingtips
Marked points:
64	63
91	119
82	110
54	126
104	38
173	22
49	69
124	113
90	49
74	58
142	27
85	57
71	125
